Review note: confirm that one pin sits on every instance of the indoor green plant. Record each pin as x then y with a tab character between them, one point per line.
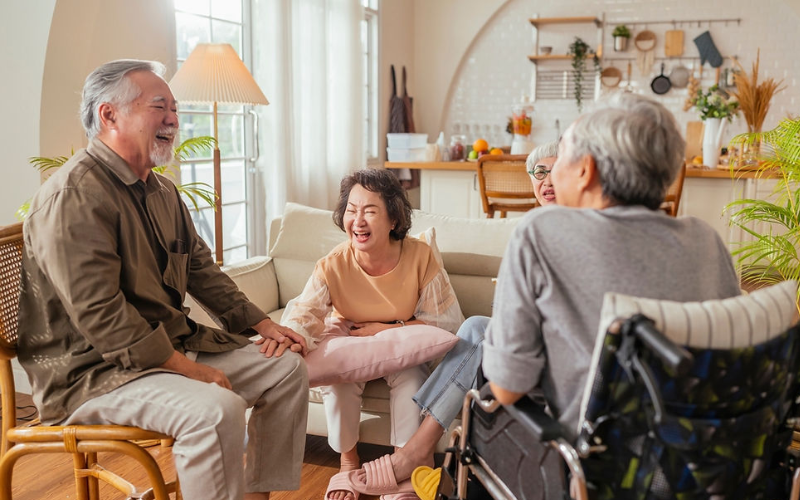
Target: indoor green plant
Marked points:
580	50
771	256
621	35
714	109
195	192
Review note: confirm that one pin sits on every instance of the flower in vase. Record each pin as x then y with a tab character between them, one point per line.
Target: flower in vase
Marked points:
713	104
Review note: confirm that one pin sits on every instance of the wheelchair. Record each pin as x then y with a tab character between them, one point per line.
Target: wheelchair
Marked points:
660	421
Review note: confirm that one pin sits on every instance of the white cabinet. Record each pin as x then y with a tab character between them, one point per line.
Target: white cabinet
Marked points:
450	192
706	199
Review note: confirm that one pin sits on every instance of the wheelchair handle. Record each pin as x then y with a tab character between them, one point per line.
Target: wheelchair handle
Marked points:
674	356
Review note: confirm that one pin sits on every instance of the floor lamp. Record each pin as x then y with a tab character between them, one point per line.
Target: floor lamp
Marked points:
214	73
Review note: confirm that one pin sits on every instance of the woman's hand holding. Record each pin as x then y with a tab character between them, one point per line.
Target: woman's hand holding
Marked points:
369	329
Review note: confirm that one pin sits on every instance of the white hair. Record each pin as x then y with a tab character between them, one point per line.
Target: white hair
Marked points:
546	150
636	145
107	84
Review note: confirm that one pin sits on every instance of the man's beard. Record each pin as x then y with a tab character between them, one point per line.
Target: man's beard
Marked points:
163	154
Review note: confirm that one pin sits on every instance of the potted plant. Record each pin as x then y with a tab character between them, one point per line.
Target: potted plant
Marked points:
621	35
195	192
771	255
580	50
714	108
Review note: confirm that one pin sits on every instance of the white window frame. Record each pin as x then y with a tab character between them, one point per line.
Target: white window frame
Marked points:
371	83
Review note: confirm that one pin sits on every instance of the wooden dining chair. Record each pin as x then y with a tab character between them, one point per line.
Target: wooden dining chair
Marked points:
505	185
673	198
83	442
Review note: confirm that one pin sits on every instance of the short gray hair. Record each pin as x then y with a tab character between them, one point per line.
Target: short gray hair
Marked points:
636	145
108	84
546	150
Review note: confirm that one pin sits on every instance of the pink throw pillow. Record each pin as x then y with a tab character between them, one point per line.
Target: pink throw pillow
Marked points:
341	358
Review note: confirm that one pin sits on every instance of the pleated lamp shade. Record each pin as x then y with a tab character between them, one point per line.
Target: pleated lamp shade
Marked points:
214	73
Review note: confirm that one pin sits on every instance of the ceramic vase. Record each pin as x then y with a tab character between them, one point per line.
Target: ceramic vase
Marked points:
712	141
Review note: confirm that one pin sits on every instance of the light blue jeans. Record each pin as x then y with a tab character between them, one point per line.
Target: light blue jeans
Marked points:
442	395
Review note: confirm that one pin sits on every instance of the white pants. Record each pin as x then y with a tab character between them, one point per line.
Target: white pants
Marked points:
208	422
343	408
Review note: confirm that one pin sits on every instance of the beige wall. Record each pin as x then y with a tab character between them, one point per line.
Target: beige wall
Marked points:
24	28
443	30
56	43
396	47
109	30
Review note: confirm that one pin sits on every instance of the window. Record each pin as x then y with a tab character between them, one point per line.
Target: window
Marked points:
218	21
369	43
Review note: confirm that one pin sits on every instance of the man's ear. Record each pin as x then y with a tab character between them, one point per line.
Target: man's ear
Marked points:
588	173
107	115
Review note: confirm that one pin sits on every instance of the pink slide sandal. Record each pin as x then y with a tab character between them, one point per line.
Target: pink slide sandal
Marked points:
377	478
340	482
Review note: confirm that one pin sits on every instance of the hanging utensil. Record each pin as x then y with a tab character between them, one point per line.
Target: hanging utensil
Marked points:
645	43
679	76
629	87
673	43
610	77
661	83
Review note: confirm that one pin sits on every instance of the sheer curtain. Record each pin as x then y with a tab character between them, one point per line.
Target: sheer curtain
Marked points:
307	60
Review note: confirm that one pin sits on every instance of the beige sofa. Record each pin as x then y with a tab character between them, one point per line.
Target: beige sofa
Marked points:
471	250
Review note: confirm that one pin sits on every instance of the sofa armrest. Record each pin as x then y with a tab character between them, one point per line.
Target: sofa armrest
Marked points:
255	277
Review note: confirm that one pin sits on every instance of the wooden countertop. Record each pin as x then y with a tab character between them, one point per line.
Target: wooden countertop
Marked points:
704	173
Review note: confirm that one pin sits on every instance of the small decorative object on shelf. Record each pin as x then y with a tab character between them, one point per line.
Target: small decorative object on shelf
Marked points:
580	50
621	35
714	108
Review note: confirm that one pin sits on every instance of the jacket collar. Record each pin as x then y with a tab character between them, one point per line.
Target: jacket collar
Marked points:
119	167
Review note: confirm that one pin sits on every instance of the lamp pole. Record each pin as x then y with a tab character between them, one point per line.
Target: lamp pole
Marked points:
218	190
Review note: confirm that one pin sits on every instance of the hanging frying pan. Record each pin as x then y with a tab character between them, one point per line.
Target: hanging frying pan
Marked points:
661	83
679	77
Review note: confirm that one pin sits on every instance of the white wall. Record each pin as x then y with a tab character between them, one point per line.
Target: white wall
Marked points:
494	70
24	29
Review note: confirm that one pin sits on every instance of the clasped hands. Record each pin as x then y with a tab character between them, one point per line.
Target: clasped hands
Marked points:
275	339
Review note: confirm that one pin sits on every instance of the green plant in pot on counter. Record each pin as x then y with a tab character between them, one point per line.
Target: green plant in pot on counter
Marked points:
580	50
774	226
195	192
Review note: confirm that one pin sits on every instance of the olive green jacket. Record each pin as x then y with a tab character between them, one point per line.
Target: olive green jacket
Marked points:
103	291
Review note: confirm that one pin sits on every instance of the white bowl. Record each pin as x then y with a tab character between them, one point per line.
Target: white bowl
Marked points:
545	50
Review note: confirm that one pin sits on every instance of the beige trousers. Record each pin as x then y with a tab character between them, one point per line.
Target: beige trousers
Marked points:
208	422
343	408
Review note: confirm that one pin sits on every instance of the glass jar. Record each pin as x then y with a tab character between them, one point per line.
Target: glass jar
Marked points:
458	152
522	119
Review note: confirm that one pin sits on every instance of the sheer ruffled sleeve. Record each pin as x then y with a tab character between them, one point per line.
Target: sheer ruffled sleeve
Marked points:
438	305
306	313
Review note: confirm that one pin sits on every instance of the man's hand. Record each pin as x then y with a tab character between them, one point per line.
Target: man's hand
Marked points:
197	371
275	339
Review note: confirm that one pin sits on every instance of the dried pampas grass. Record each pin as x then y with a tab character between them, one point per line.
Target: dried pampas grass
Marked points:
754	97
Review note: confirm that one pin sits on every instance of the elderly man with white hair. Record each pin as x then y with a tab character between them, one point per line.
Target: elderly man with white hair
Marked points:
606	234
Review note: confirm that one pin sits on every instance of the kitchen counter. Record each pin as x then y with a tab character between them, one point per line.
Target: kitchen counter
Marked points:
451	188
472	166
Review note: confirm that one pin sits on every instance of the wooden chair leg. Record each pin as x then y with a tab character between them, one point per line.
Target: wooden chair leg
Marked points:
82	490
490	214
502	214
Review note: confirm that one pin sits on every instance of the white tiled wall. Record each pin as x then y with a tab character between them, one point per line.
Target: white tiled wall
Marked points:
495	71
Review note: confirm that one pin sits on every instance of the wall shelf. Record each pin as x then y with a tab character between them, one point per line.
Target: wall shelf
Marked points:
536	21
550	57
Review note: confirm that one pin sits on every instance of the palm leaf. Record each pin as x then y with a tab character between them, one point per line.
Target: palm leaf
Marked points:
43	163
194	146
771	255
199	190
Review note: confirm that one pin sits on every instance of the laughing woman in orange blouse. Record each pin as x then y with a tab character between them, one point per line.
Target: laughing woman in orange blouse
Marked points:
379	278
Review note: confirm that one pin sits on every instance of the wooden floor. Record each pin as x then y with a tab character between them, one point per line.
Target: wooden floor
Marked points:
49	477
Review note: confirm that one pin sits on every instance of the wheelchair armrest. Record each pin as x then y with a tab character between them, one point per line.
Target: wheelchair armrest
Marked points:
531	415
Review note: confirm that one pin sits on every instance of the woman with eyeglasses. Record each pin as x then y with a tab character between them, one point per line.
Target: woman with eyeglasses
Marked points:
540	163
441	397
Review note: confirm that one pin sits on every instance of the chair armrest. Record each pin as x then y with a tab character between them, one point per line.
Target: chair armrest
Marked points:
531	415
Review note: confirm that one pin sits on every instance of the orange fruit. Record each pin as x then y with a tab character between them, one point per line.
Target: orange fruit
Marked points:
496	151
480	145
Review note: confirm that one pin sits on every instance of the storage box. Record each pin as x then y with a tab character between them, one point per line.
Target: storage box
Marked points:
406	155
406	141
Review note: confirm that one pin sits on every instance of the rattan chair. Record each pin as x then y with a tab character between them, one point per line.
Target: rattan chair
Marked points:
673	198
83	442
505	185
